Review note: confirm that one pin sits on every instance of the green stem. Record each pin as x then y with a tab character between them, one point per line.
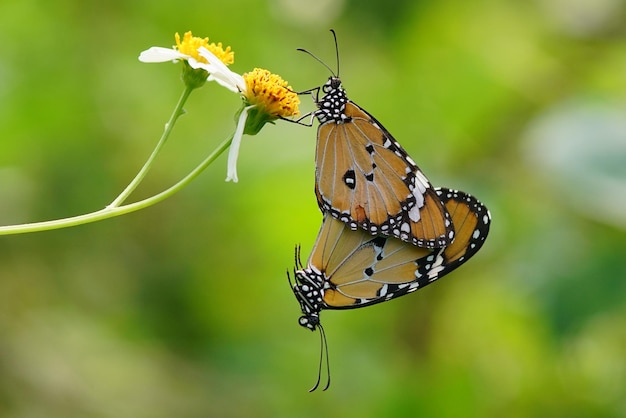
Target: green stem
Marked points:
111	211
178	111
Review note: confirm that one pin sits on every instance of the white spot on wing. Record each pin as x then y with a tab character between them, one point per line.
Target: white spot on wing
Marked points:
418	192
383	290
414	213
421	181
433	272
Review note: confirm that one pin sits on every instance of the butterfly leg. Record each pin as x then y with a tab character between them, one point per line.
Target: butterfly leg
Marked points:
298	121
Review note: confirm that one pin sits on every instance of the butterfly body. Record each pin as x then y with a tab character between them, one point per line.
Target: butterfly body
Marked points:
365	179
350	269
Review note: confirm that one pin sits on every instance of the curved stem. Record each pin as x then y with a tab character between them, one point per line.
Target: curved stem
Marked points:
111	211
178	111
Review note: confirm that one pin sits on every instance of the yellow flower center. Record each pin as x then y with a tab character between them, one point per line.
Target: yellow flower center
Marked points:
190	45
271	93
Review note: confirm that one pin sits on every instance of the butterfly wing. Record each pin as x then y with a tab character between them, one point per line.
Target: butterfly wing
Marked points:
471	221
358	270
335	245
367	180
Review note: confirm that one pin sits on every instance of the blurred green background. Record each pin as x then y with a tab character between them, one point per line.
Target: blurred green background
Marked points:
184	309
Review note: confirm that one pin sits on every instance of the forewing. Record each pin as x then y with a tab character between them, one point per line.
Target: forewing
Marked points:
365	179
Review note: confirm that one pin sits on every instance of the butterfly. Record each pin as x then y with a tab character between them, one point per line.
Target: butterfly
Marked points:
351	269
364	178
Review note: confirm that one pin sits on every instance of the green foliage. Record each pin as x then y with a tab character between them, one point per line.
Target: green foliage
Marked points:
183	309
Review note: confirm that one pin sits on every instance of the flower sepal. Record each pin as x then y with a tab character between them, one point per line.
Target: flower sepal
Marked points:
256	119
193	77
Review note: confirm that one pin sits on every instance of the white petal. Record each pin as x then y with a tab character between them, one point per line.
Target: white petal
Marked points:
158	54
195	64
233	153
228	83
220	73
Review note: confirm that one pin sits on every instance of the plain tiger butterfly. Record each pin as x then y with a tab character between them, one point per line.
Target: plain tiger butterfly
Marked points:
363	176
351	269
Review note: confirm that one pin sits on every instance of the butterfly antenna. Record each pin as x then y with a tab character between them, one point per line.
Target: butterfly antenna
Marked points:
336	50
323	358
319	367
317	59
298	257
325	341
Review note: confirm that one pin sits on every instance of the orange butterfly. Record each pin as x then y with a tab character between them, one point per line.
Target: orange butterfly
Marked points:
351	269
364	178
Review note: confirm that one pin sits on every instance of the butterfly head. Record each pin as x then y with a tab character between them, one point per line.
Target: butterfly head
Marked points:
333	84
309	321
